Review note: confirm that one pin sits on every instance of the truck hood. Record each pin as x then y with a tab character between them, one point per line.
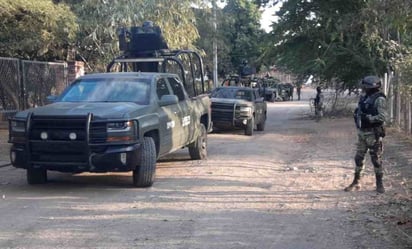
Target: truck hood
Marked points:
232	101
112	110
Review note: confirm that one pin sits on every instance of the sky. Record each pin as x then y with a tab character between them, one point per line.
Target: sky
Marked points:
268	17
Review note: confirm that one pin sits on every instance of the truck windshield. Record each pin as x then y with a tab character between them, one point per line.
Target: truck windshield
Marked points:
232	93
108	90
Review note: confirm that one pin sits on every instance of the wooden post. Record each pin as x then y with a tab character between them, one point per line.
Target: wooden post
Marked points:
409	116
398	104
75	70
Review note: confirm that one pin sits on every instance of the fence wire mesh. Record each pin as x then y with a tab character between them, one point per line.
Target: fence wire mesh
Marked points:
25	84
10	94
41	79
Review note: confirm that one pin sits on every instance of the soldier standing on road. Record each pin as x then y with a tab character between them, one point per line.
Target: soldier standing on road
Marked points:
370	116
298	89
318	103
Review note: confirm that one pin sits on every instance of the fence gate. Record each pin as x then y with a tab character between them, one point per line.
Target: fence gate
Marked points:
25	84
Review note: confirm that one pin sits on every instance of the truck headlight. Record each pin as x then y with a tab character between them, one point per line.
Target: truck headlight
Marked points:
119	126
121	131
18	126
245	110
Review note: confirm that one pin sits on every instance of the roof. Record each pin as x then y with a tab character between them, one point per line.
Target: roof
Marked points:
236	87
125	74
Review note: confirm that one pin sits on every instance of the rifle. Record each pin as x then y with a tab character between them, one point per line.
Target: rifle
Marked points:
357	116
360	117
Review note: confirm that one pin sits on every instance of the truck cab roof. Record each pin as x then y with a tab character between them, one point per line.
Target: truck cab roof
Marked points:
126	75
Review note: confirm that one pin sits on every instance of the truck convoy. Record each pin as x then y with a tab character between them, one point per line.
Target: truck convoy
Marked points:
151	102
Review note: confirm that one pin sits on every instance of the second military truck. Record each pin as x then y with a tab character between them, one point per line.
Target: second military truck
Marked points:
238	107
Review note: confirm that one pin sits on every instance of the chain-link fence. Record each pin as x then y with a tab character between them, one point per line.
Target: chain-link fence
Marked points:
41	79
25	84
10	89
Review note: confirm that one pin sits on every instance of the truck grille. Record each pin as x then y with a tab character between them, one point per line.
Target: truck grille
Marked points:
223	111
59	147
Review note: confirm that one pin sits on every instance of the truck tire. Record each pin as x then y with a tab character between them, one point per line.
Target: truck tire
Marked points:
261	125
198	149
250	126
144	174
36	176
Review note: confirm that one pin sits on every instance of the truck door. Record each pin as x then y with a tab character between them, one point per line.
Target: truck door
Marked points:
169	119
186	109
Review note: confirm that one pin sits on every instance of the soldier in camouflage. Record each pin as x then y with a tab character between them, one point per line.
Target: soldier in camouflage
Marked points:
370	116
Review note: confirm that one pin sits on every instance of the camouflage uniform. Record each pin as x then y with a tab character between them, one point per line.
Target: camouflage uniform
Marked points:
370	116
367	140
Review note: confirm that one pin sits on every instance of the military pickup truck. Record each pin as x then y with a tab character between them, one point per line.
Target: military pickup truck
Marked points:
110	122
238	107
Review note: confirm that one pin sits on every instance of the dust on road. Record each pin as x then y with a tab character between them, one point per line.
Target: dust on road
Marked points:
281	188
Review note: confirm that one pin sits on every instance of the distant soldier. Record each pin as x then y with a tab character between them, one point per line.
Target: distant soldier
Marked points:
291	90
318	103
370	116
298	89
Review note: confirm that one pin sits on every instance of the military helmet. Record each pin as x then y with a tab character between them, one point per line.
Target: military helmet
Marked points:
370	82
147	24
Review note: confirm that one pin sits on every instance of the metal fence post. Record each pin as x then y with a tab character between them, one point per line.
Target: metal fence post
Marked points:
22	84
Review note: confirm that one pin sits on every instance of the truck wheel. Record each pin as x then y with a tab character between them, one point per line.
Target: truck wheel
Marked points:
198	149
250	126
261	125
144	174
36	176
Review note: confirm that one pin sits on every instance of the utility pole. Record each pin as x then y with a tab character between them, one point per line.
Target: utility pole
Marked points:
215	79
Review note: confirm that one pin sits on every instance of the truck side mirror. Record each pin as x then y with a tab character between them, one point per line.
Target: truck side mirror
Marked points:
168	100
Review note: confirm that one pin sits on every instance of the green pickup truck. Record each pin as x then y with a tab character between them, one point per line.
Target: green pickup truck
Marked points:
111	122
238	107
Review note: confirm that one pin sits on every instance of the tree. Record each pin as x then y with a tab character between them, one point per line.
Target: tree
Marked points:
241	30
321	38
388	29
36	29
99	20
207	34
338	42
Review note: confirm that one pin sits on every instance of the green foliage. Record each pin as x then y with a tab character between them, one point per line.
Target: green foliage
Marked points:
388	31
99	20
241	30
338	42
238	35
320	38
36	29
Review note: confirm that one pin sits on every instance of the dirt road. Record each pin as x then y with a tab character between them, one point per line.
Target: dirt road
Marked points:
281	189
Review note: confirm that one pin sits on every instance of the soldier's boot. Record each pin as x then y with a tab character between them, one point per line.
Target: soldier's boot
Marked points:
355	185
379	184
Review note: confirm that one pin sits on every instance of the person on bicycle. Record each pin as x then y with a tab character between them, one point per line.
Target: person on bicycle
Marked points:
318	103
